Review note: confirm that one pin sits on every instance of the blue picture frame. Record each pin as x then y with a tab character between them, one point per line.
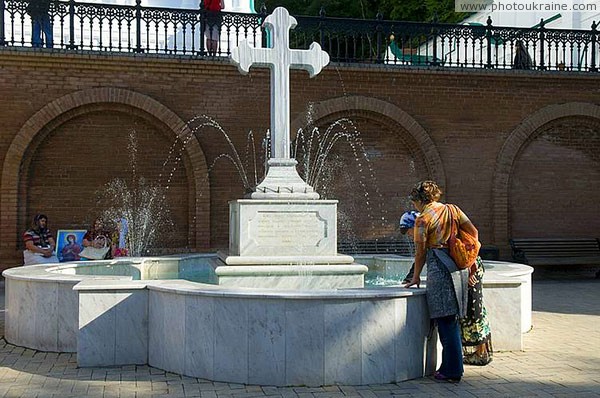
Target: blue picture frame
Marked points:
69	243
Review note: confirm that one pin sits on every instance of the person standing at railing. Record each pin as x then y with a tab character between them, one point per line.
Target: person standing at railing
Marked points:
39	10
214	19
522	58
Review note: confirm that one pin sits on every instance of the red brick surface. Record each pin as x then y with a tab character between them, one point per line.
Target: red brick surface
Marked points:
516	150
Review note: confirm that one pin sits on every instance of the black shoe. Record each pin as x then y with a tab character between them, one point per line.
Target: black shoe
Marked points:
441	377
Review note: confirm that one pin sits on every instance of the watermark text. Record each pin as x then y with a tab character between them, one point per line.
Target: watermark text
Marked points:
525	6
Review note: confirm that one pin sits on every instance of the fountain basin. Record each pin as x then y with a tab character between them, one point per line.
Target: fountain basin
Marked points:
255	336
242	335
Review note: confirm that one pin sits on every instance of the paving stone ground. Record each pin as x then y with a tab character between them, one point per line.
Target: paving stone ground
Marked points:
561	360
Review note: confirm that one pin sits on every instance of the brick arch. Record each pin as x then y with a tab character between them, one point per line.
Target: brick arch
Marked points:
322	109
511	149
26	136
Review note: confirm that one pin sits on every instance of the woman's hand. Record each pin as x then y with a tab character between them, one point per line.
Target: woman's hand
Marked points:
472	280
473	274
416	280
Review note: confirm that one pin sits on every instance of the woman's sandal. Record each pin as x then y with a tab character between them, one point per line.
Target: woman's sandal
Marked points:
477	359
441	377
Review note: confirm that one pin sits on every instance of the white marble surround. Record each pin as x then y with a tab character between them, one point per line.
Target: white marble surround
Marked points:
253	336
506	286
42	309
274	337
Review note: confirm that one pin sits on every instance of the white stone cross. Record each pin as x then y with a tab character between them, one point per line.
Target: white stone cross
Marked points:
280	58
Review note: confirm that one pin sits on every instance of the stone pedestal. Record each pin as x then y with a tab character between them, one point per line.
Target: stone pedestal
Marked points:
286	244
293	277
281	228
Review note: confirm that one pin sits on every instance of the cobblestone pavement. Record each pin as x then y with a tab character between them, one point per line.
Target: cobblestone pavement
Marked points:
561	359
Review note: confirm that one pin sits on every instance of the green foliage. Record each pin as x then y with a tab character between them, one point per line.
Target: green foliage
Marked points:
404	10
333	8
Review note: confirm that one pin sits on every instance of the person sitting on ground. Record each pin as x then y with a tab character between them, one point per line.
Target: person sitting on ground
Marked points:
97	231
39	243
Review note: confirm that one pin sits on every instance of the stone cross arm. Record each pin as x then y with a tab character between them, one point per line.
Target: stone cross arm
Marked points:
312	60
318	59
279	57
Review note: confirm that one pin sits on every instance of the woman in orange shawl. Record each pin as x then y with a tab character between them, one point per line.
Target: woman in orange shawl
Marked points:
447	285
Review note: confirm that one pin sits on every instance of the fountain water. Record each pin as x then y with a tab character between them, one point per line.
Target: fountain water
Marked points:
142	203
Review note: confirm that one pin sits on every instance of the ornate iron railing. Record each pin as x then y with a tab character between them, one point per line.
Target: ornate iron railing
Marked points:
110	27
133	28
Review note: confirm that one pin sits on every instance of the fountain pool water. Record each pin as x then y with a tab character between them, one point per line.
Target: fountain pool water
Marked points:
200	268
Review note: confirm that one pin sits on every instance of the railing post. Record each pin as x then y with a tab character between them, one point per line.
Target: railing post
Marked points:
434	30
321	33
488	36
542	43
263	32
138	27
593	60
379	28
71	45
202	49
2	34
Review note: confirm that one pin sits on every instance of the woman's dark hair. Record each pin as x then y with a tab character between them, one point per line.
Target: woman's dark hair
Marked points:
35	226
426	192
37	218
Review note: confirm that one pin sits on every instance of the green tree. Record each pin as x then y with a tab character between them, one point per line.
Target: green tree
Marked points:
421	11
333	8
403	10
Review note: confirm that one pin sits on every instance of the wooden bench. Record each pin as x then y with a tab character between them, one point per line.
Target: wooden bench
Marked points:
397	246
556	251
377	246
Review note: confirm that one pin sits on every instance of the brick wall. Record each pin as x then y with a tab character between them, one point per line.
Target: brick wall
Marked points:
556	180
491	137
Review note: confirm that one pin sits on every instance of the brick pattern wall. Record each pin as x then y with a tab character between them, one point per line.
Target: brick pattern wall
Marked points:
554	186
466	118
72	163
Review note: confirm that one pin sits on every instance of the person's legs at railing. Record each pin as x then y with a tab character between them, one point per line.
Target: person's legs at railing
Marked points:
212	32
212	42
36	33
48	33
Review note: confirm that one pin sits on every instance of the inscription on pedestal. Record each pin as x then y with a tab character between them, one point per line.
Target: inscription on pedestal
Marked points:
282	228
293	228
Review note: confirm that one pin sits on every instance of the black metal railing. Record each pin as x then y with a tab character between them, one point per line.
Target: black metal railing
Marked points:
110	27
154	30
